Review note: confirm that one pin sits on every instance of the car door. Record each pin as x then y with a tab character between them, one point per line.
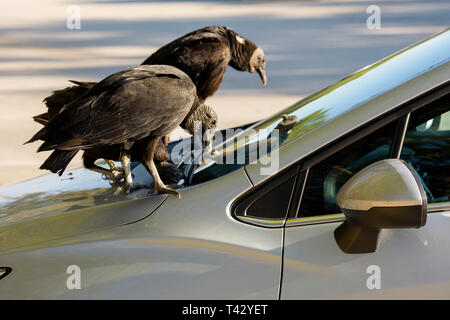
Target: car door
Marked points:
409	263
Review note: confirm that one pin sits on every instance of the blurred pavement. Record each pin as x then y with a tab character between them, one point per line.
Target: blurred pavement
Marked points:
308	45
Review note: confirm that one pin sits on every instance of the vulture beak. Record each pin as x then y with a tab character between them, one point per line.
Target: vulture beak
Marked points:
262	75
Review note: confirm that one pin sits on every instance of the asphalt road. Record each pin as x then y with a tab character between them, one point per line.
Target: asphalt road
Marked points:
308	44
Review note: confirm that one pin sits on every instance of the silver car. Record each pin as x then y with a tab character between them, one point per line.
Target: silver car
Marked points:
352	201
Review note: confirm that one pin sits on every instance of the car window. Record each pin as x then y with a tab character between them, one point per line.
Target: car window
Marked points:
427	148
326	178
270	200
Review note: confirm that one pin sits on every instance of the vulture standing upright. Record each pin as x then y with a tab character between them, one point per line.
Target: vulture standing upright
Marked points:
143	103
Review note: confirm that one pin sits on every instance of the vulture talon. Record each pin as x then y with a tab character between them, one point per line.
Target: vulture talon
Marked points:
127	189
115	183
164	189
118	175
175	186
119	190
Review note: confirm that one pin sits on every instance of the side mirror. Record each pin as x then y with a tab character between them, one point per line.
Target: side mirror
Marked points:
387	194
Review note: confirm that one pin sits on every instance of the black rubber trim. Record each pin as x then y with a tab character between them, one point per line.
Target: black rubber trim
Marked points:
299	187
7	270
247	199
399	137
423	219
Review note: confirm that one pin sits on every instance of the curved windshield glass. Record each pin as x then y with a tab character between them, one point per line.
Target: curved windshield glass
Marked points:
237	148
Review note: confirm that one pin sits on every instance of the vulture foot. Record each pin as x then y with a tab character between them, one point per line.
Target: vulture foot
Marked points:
175	186
158	185
116	171
125	188
165	189
116	177
126	161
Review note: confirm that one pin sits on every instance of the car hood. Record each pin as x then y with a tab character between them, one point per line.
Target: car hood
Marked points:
79	201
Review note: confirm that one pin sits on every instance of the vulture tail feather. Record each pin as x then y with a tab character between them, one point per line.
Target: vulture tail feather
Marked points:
41	118
58	161
47	146
86	85
38	136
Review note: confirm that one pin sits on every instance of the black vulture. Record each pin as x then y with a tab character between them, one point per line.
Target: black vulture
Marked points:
203	55
167	171
143	103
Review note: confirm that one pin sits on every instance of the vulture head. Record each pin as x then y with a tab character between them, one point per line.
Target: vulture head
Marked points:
203	120
258	64
247	56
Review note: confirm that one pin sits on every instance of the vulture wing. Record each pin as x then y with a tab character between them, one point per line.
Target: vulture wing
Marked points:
126	106
59	98
204	55
205	35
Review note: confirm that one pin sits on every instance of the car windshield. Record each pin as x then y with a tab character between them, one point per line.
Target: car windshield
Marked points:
243	147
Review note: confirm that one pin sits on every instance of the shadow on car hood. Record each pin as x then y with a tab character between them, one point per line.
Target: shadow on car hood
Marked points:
79	201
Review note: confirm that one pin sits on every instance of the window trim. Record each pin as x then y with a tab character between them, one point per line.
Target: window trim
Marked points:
400	114
438	206
399	137
241	204
340	217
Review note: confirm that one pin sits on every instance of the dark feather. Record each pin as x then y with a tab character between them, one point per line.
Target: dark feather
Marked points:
170	174
204	55
60	98
84	84
58	161
41	118
137	153
137	103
